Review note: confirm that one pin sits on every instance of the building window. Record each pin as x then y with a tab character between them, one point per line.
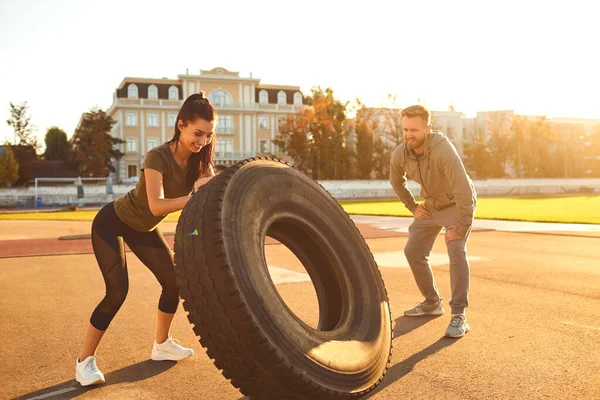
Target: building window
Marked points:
173	93
152	119
171	120
281	97
131	171
225	124
220	98
263	97
263	146
224	147
298	98
131	145
152	92
132	91
152	143
263	122
131	119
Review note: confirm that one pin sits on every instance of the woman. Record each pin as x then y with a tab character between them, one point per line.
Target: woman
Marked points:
169	174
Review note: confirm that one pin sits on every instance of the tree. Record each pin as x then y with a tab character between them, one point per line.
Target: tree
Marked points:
26	157
327	129
519	129
9	168
477	159
57	145
294	138
592	154
21	124
382	155
387	134
392	119
376	132
548	144
536	150
571	153
498	145
314	138
345	162
364	142
93	146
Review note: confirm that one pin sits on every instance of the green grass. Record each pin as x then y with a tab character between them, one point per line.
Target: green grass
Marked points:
571	209
567	209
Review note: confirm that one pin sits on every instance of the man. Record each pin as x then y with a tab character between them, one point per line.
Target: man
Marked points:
450	200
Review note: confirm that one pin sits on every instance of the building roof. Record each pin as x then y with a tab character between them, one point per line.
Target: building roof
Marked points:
218	73
272	94
280	87
162	86
149	81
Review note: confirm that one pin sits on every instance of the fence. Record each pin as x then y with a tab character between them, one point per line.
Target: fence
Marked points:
96	194
361	190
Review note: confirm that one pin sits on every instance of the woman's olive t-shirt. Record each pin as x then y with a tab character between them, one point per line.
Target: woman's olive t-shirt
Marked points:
133	208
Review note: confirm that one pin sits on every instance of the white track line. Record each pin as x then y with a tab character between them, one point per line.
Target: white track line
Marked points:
51	394
595	328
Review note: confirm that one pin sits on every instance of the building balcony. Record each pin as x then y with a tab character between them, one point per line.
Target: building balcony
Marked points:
281	107
258	106
227	130
234	106
221	106
234	155
143	103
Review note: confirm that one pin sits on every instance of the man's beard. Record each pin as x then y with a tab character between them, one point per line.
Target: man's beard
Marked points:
417	143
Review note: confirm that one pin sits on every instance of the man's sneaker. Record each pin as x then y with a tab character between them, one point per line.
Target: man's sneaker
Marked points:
426	308
87	373
458	326
170	350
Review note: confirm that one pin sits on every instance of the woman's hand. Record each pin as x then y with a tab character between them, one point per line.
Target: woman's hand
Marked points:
201	182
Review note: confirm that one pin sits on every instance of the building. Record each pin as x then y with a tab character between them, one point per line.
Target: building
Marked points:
587	125
451	123
145	111
480	127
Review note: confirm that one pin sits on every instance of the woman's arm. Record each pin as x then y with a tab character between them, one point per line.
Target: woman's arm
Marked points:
201	181
156	196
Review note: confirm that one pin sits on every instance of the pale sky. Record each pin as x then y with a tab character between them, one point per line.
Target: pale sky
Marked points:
535	57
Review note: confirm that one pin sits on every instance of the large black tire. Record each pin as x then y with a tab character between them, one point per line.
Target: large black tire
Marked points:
257	341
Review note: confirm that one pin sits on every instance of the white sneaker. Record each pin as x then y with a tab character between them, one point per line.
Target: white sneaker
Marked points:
170	350
87	373
426	307
459	326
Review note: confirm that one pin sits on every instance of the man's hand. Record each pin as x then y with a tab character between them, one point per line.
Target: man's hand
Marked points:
421	212
201	182
451	234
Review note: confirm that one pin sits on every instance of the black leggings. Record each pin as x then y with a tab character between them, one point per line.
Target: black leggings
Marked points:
108	234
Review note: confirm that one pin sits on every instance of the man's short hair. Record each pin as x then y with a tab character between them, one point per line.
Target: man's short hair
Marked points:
417	111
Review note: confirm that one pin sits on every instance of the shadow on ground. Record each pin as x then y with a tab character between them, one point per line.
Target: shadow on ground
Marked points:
397	371
133	373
